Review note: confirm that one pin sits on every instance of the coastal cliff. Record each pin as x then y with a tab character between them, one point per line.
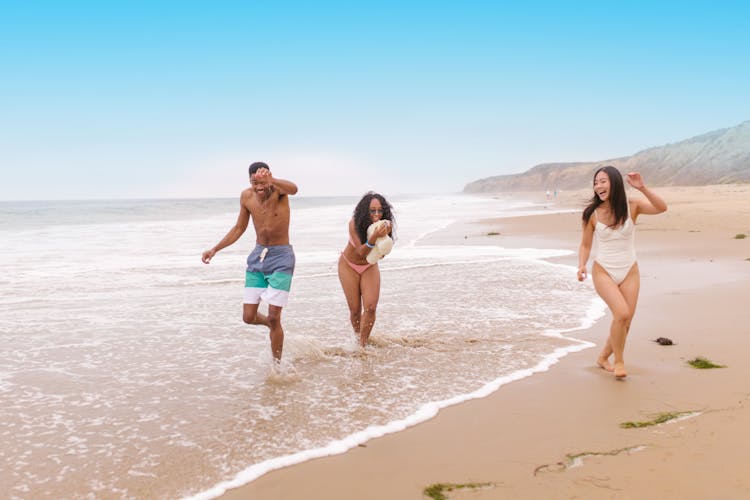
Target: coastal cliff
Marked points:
718	157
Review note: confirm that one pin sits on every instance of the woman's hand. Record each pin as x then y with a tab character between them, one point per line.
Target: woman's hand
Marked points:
635	180
382	229
581	273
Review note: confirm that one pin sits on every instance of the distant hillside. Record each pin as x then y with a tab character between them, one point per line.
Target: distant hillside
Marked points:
719	157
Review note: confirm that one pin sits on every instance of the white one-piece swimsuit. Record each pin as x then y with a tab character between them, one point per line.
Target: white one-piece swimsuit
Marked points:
615	248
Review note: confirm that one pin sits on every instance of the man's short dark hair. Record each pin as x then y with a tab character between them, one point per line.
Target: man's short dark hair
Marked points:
254	167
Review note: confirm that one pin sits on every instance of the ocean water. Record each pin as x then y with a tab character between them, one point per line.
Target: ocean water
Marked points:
126	370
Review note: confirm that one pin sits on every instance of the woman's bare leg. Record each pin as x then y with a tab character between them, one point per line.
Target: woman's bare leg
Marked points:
603	359
350	284
622	314
370	287
630	288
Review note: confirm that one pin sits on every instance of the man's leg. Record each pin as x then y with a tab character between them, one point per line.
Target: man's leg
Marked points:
255	286
276	332
251	316
278	284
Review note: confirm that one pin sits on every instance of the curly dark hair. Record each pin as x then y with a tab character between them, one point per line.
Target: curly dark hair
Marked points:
361	215
617	199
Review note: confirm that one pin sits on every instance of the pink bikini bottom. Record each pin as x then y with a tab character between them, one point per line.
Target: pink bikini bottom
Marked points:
358	268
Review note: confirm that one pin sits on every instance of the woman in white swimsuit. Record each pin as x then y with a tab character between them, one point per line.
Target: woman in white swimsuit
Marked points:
610	219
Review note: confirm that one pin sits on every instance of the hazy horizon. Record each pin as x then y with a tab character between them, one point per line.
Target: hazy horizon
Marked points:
229	197
156	100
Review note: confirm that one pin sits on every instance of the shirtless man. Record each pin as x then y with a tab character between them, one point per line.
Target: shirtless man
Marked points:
271	263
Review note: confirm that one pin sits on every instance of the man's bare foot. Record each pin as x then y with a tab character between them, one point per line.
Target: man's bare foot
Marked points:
604	363
620	370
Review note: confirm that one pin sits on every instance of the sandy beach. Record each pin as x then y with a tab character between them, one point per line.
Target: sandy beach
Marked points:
558	434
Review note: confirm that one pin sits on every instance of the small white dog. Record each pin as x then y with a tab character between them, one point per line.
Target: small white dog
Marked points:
383	245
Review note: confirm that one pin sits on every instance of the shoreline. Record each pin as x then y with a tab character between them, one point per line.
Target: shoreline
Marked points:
423	414
506	437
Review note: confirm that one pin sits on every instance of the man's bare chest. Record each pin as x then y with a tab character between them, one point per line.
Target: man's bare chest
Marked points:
266	209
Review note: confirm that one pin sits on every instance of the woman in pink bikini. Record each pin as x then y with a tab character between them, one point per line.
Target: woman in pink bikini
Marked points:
609	219
360	279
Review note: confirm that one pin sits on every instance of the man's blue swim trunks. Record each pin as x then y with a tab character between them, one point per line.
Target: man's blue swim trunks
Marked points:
269	274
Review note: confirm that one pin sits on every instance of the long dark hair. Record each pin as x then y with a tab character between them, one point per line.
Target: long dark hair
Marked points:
617	199
361	215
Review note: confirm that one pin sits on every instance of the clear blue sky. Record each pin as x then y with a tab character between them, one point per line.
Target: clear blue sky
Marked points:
162	99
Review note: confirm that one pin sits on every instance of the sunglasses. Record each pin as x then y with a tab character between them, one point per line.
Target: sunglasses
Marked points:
374	211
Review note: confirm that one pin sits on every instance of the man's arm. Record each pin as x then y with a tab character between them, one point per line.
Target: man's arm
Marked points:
283	187
234	233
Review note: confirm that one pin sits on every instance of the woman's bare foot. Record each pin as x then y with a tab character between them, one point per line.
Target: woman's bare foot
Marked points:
620	370
604	363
